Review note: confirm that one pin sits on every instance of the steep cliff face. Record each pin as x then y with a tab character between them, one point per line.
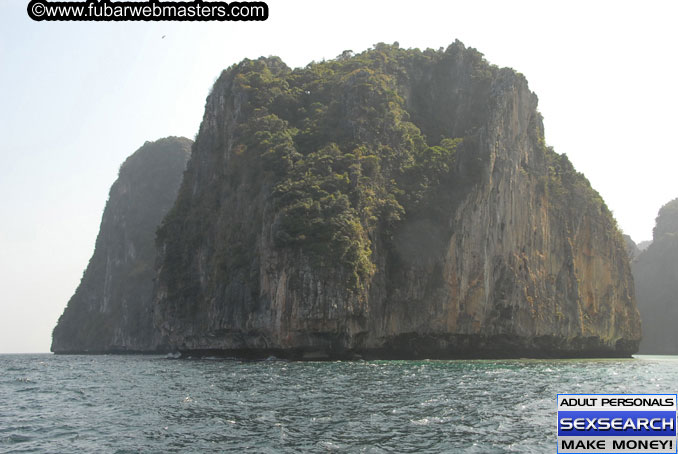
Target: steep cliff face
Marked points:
111	308
394	203
655	272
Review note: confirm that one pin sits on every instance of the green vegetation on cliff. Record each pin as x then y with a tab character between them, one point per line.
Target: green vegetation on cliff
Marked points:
394	203
397	199
336	145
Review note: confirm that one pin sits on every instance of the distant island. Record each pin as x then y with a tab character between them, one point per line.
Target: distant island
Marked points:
111	309
394	203
655	271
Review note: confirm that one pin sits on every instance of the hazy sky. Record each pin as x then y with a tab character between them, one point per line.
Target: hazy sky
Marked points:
77	98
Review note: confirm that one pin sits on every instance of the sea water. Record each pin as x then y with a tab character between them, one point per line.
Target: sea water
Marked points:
152	404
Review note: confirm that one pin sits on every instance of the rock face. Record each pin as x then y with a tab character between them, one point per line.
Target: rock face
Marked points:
393	204
655	272
111	309
644	245
632	248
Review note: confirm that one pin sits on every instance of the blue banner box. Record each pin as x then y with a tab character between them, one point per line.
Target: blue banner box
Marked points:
610	423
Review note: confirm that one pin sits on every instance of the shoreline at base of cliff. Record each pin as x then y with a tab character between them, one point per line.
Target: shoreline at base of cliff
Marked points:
414	348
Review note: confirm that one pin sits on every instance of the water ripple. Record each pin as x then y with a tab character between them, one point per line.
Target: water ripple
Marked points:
131	404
